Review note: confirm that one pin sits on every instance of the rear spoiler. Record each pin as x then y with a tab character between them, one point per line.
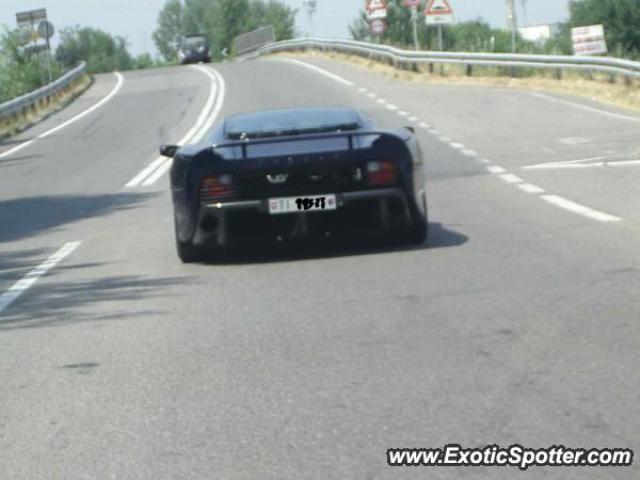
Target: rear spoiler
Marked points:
170	150
295	138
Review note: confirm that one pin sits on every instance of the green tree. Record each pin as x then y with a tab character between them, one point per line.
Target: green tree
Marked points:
101	51
471	36
21	71
142	61
220	21
170	28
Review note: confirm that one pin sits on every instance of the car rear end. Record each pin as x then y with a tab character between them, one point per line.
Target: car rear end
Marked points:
243	192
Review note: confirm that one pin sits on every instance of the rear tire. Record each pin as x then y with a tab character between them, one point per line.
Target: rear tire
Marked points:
188	252
419	231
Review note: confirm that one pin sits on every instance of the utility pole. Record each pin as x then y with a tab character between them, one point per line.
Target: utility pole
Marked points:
414	20
310	6
512	23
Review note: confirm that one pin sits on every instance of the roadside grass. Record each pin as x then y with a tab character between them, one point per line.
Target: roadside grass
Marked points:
597	87
19	122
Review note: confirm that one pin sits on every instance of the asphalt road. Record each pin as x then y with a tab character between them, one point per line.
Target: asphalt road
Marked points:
517	323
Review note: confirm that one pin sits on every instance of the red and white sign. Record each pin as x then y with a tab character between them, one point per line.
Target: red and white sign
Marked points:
589	40
438	12
378	26
376	9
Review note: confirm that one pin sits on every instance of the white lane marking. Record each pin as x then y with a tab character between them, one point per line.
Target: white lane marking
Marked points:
211	118
575	165
145	172
362	90
485	161
372	95
95	106
391	106
160	161
32	277
413	119
618	116
497	169
424	125
574	207
468	152
158	173
402	113
434	131
381	100
511	178
444	139
322	71
530	188
574	140
458	146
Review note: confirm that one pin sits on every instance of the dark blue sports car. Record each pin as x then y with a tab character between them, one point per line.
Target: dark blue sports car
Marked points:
283	174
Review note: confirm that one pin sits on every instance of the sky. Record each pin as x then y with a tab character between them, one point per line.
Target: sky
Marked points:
136	19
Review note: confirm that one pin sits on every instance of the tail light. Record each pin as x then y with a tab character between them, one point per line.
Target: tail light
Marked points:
382	172
216	187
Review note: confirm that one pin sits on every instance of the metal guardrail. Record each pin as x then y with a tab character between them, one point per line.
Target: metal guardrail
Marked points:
29	100
250	41
402	58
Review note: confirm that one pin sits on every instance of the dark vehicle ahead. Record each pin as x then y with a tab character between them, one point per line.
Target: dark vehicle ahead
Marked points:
194	49
296	173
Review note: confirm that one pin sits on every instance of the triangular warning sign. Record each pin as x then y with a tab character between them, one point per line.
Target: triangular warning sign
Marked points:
376	5
438	7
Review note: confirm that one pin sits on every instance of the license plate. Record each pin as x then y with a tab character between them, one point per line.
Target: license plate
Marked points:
311	203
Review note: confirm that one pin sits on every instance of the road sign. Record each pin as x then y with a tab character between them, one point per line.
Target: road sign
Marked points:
589	40
438	12
376	9
31	18
411	3
378	26
45	29
376	14
376	5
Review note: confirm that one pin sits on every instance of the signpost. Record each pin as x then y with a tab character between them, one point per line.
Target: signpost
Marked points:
413	5
35	22
378	26
376	13
438	12
31	18
376	9
589	40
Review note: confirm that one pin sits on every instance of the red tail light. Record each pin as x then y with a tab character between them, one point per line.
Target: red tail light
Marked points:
383	172
216	187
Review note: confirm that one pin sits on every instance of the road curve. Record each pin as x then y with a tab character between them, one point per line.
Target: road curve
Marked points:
516	324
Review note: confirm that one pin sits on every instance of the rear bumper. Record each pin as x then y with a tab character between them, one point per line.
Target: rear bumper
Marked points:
342	199
229	222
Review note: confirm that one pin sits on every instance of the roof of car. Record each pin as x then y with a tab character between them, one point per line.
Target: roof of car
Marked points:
272	121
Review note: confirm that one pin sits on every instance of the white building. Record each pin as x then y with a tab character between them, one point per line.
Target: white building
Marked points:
539	33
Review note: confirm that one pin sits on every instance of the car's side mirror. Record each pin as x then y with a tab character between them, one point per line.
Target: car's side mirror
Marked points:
411	129
169	150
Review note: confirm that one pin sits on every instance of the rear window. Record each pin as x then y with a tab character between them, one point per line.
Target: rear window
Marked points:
291	122
194	41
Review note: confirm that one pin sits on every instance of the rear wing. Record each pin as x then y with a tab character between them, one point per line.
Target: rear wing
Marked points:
245	144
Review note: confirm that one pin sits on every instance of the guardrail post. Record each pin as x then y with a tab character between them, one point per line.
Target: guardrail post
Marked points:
468	70
628	80
431	68
558	74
